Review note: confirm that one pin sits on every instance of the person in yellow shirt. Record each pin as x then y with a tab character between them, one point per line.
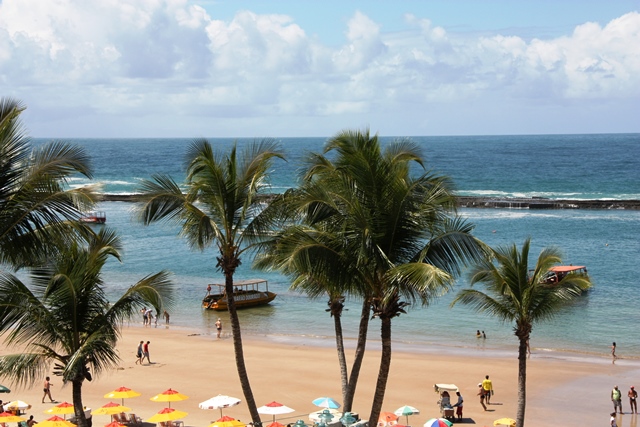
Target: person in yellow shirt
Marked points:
487	386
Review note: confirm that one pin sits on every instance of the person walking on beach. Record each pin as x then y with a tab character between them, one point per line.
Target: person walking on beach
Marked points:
47	390
613	421
144	315
139	353
482	395
633	396
219	326
613	351
616	398
145	351
487	386
458	405
166	317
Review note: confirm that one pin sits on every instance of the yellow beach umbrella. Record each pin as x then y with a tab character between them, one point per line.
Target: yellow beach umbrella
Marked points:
505	422
63	408
167	414
169	396
8	417
121	393
110	409
227	422
55	421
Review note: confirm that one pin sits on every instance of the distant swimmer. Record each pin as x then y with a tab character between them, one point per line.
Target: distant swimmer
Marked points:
478	334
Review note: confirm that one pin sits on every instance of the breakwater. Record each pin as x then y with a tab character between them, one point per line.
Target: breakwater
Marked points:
487	202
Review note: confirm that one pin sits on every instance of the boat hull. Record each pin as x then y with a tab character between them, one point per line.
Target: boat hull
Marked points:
242	300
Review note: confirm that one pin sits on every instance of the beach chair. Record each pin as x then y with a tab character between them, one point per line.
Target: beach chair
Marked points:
176	424
134	419
120	418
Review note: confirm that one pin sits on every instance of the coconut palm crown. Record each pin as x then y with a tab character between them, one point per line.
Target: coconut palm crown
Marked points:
35	201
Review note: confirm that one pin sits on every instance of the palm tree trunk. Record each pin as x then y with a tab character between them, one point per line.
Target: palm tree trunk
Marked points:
383	373
342	360
522	380
359	356
239	351
78	408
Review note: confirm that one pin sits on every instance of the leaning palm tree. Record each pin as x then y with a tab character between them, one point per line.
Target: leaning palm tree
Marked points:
64	317
395	234
515	294
35	202
221	207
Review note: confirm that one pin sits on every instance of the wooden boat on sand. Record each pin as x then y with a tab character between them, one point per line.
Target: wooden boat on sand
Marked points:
247	293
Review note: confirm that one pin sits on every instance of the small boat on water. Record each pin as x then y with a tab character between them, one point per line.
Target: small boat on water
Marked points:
559	272
94	217
247	293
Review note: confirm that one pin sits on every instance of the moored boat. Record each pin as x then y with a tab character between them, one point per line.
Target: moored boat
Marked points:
559	272
247	293
94	217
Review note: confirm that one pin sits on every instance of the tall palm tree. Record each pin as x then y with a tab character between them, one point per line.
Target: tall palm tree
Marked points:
35	202
517	295
396	234
221	207
64	317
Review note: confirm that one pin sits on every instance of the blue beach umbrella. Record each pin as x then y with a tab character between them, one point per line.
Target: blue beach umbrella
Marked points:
326	402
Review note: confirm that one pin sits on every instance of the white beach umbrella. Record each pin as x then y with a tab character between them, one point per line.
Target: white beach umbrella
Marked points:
219	402
274	408
17	405
406	411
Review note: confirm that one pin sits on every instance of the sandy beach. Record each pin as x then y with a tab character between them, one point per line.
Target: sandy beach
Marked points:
569	389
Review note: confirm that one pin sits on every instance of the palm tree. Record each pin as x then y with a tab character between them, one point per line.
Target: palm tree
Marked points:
64	317
35	202
221	207
394	233
516	295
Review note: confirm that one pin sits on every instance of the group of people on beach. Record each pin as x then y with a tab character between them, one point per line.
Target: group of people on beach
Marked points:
148	317
143	352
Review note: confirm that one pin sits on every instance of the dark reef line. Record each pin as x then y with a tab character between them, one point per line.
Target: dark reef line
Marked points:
488	202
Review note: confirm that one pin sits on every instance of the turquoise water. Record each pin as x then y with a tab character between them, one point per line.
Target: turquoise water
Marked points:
556	166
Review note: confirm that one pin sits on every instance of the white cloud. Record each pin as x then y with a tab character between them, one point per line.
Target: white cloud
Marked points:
151	60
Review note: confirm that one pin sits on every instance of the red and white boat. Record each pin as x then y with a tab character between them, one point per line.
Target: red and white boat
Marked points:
94	217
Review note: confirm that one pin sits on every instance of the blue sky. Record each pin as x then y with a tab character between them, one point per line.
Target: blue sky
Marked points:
222	68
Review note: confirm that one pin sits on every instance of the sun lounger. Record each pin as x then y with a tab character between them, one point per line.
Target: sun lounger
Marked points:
134	419
120	418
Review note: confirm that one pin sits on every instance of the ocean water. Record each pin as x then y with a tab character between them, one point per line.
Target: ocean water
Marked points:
554	166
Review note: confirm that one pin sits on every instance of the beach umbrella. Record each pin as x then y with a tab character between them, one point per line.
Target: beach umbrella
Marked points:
438	422
326	402
8	417
111	408
4	389
121	393
56	421
17	405
505	422
274	408
406	411
115	424
63	408
167	414
227	422
169	396
275	424
219	402
387	419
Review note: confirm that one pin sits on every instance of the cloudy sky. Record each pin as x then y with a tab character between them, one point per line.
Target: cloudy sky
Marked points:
279	68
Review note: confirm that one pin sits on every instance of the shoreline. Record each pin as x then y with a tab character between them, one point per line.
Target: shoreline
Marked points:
485	202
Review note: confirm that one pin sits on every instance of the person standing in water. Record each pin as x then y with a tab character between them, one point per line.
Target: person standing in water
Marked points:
219	326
